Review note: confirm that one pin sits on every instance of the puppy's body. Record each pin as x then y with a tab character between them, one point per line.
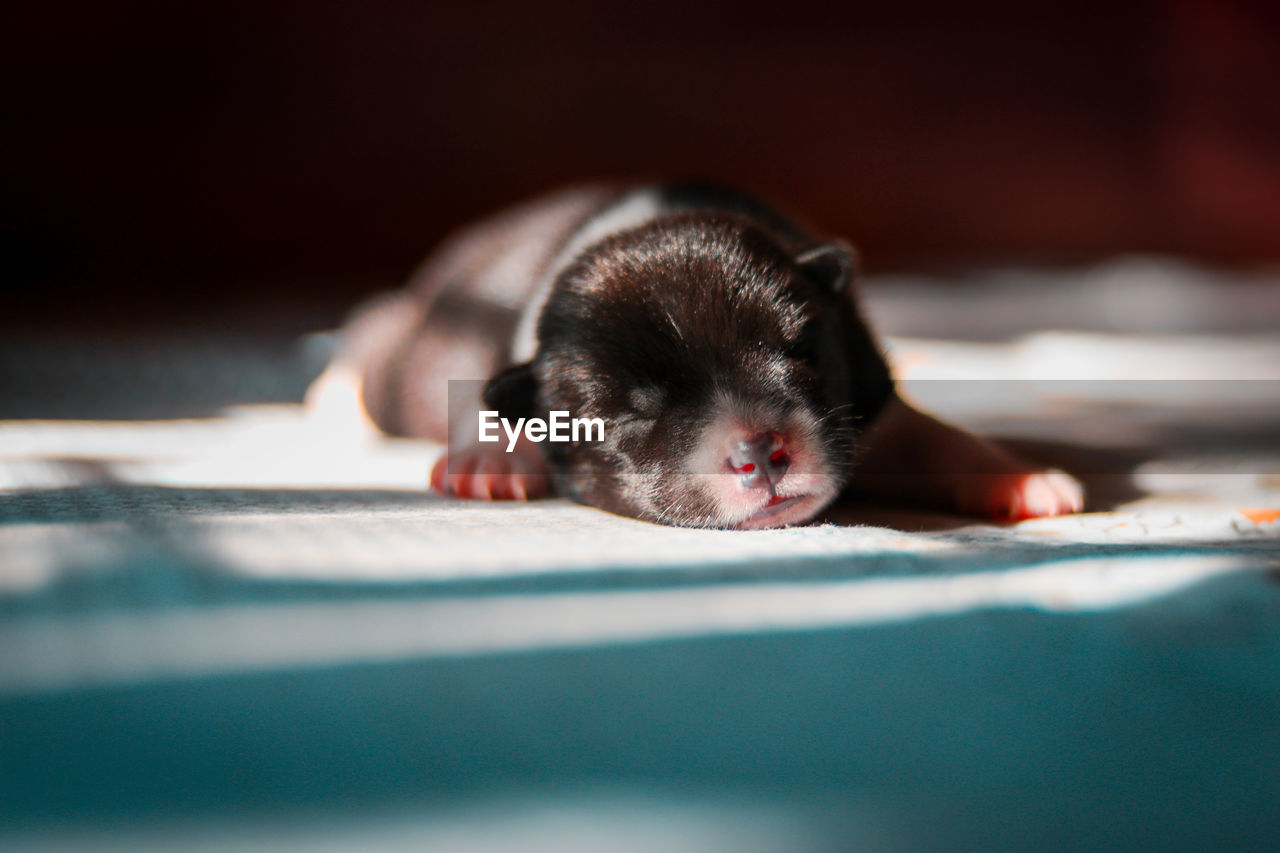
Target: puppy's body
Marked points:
718	339
456	317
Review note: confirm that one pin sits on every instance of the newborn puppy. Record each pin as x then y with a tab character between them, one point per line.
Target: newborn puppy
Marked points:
717	340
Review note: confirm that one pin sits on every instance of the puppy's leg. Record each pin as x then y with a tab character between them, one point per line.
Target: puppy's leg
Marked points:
462	339
336	400
391	376
489	472
914	457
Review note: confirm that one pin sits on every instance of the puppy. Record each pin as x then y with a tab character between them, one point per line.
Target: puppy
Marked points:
717	340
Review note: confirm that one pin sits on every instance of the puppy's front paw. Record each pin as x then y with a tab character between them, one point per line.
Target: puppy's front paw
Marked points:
1022	495
490	473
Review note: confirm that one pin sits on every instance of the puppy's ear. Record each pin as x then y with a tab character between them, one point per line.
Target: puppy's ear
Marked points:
513	392
833	265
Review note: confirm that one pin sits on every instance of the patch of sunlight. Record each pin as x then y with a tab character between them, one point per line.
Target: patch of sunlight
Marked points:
267	446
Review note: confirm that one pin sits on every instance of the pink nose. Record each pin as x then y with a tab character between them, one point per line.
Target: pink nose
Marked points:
761	459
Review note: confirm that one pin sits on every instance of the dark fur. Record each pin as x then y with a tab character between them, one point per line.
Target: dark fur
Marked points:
644	327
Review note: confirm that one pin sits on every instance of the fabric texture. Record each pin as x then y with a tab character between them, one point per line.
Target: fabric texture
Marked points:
214	605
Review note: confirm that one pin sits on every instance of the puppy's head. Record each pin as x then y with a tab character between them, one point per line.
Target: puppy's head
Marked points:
733	379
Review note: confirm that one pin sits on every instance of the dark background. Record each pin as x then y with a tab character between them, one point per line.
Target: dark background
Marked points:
165	158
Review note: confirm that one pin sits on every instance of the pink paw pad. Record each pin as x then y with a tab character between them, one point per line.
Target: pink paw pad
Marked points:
489	474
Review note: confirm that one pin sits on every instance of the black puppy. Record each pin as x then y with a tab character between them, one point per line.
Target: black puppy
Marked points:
717	341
